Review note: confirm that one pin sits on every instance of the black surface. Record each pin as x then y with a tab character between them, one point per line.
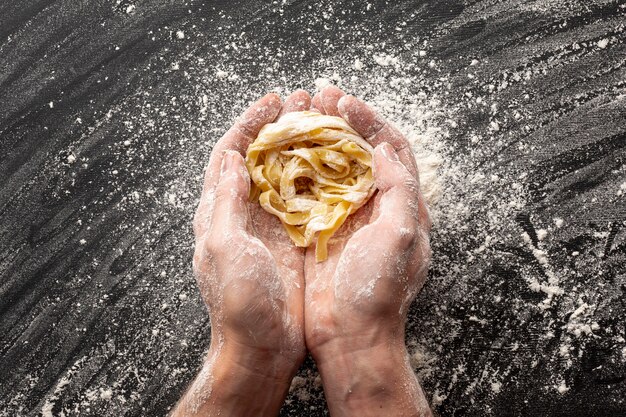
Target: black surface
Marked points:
79	319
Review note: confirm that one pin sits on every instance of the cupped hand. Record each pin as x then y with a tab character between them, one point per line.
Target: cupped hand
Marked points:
250	275
255	281
377	262
356	302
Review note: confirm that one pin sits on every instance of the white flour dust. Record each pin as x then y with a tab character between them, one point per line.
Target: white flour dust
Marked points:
163	133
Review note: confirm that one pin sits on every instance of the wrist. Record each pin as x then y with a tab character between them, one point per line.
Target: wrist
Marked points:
356	373
372	381
261	364
335	340
237	381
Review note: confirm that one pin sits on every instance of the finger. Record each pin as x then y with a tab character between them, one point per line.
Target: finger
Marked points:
375	129
326	100
392	239
316	103
361	117
238	137
230	213
243	132
200	218
330	96
299	100
399	203
258	115
390	172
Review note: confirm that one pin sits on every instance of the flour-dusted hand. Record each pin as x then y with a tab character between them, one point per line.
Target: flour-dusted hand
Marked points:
357	301
251	278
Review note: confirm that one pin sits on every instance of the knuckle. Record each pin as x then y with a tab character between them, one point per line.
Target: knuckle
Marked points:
380	126
212	246
404	233
197	261
197	222
411	185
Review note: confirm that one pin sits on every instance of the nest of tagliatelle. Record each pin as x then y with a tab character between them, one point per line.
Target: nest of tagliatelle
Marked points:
311	171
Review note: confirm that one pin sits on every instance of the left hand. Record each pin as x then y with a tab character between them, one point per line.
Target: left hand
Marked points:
378	259
357	300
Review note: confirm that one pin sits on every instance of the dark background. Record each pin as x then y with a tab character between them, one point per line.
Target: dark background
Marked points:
107	118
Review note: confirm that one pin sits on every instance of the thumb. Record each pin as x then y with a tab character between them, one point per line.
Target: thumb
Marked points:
390	172
231	194
396	216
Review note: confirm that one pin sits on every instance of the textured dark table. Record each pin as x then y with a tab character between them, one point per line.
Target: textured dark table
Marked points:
108	112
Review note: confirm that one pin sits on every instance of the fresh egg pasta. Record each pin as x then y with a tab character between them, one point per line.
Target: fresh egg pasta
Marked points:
311	171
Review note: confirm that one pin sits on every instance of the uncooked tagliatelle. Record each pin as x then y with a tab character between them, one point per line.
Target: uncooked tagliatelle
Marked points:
312	171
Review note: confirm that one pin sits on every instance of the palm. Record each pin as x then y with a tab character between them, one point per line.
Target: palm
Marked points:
266	302
341	289
288	258
320	291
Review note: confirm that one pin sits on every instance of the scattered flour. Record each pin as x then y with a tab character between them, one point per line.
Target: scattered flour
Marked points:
106	394
541	234
603	43
496	386
474	201
562	388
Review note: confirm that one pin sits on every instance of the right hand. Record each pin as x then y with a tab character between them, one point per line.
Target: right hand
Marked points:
249	273
251	278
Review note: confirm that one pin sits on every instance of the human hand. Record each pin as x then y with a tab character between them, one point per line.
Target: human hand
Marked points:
251	278
356	301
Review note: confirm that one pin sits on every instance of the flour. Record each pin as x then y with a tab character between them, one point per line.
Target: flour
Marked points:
106	394
385	60
562	388
486	232
541	234
62	383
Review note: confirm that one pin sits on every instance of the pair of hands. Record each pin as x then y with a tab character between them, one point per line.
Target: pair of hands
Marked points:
270	301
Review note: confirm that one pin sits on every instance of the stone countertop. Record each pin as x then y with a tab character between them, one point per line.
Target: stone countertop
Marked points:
108	115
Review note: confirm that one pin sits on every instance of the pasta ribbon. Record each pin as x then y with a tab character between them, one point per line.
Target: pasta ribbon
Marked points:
311	171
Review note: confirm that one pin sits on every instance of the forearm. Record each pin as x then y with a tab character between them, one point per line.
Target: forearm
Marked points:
371	382
235	383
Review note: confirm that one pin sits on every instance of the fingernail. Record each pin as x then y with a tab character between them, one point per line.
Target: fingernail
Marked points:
389	152
342	101
227	162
